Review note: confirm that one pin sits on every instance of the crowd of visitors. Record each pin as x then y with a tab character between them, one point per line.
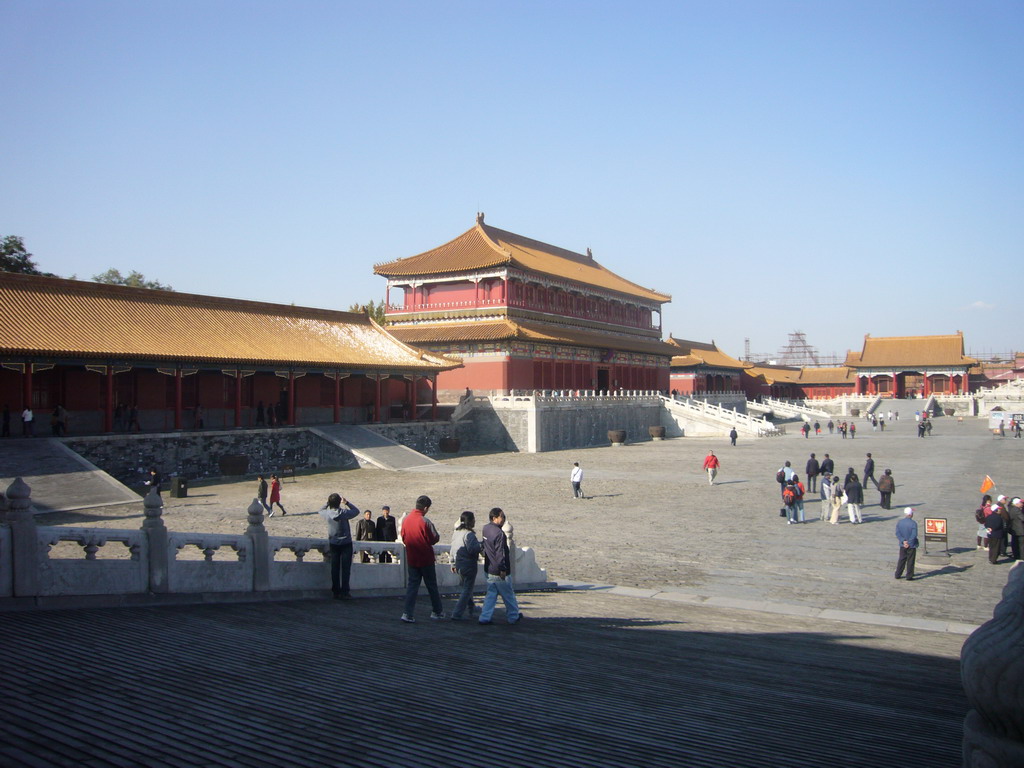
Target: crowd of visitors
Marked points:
417	533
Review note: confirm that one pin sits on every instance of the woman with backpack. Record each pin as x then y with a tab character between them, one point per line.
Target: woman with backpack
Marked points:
793	498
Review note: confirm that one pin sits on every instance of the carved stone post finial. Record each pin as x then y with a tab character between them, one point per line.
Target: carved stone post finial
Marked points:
993	679
24	539
153	508
255	512
157	538
262	555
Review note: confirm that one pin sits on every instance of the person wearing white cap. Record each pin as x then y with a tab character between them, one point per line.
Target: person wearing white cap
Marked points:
906	535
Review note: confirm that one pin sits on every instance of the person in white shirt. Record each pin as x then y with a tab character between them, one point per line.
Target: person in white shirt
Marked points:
27	422
576	478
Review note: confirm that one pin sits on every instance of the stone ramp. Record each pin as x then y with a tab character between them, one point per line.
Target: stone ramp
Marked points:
584	680
366	445
60	479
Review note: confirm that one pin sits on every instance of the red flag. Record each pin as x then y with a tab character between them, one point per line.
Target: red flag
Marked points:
987	485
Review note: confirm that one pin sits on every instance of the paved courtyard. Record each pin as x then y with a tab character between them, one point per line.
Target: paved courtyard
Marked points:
650	519
731	639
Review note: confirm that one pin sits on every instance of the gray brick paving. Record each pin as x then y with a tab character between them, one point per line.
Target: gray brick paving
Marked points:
652	522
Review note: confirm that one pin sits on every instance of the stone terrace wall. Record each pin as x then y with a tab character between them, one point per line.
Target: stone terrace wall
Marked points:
197	455
551	422
565	424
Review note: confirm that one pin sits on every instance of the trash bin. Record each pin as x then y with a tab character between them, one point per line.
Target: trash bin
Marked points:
179	487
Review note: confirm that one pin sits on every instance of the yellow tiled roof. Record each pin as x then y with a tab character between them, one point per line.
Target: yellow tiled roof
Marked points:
771	374
840	375
702	353
485	246
70	318
909	351
501	330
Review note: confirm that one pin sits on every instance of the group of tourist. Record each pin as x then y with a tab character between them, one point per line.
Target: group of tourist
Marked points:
274	491
418	535
833	492
1000	526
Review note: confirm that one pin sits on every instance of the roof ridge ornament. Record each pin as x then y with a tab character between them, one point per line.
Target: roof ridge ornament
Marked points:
479	217
590	254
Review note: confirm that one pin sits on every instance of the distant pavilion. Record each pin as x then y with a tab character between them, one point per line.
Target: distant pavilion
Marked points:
91	348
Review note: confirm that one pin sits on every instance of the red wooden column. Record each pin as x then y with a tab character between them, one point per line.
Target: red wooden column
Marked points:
337	397
238	399
26	390
177	398
926	389
412	407
108	411
433	398
291	398
376	400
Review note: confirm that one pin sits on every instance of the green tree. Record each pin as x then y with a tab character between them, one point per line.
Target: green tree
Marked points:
375	311
14	257
133	280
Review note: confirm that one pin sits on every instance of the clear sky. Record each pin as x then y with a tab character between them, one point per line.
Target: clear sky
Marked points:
834	167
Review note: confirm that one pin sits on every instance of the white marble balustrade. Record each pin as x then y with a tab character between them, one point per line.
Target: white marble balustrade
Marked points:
49	561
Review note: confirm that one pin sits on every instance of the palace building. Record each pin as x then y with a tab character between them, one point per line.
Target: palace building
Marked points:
525	315
103	351
908	366
701	368
891	366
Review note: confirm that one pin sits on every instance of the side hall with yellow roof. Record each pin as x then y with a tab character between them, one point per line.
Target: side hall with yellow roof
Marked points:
912	366
526	315
117	357
701	368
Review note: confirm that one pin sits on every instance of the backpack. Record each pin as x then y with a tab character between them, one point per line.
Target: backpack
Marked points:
780	477
789	495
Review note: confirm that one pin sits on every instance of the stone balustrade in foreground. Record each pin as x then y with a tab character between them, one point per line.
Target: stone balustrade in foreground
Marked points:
39	562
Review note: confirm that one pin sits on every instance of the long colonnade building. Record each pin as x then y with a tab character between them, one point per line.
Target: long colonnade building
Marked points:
101	351
525	315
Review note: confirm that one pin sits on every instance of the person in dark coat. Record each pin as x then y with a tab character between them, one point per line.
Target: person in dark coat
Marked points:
154	480
733	435
886	487
813	468
828	467
261	492
387	530
854	498
366	531
869	471
906	535
996	529
1016	510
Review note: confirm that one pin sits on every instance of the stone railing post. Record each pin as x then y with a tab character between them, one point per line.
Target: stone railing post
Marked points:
24	539
993	679
157	539
261	555
510	531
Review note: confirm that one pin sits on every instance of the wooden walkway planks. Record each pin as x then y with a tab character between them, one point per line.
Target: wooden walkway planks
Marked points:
586	680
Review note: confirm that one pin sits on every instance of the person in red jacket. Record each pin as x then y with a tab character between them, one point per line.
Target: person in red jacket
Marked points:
711	465
419	537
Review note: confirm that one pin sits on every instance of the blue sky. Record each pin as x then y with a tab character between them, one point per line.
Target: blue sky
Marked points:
837	168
